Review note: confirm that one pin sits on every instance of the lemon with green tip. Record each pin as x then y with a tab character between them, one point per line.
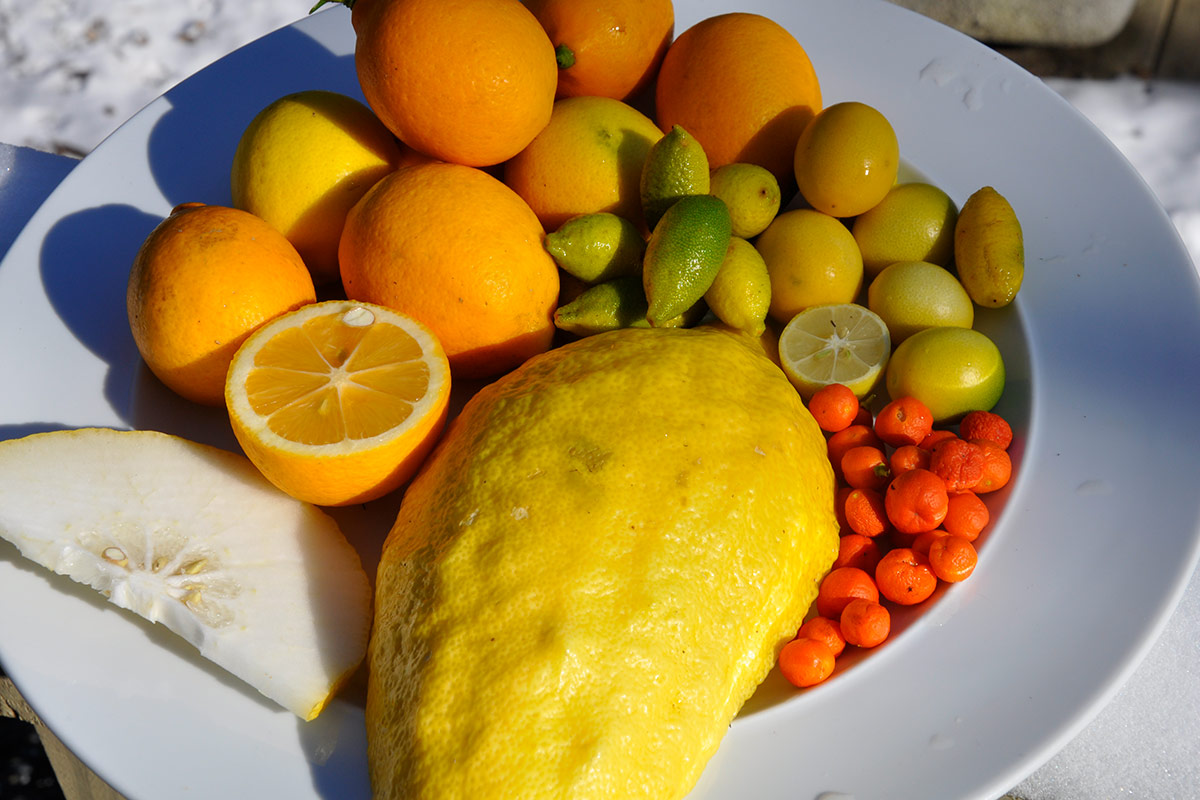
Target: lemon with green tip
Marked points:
597	247
950	370
989	249
675	167
913	222
740	295
812	260
752	194
842	343
913	295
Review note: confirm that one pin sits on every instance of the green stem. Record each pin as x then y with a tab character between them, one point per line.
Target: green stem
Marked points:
564	55
346	3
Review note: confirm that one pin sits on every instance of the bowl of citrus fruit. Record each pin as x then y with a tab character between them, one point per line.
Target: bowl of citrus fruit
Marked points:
488	399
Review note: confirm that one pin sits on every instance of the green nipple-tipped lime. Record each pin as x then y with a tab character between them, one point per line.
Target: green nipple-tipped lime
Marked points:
597	247
615	304
683	256
675	167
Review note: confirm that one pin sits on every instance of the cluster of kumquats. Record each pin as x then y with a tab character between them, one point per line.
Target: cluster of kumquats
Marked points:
909	505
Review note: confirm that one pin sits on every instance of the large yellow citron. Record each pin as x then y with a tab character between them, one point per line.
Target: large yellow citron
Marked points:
594	570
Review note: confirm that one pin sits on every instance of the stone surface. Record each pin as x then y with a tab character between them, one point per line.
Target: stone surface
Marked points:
1073	23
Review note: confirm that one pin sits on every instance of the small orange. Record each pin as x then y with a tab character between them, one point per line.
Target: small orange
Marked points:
202	281
456	249
606	49
589	158
338	402
744	87
468	81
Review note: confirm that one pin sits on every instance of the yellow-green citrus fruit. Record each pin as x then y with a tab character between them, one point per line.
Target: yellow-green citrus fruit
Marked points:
838	343
847	159
751	193
989	249
618	303
683	256
913	295
740	296
303	161
571	607
812	259
950	370
675	167
597	247
913	222
589	158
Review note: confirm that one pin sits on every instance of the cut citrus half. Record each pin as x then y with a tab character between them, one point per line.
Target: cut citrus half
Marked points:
837	343
194	538
339	402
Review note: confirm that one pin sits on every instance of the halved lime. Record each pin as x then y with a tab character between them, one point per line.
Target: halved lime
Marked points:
837	343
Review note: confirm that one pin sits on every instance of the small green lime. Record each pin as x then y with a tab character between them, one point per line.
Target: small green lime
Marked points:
675	167
913	222
950	370
752	194
740	295
989	249
683	256
913	295
597	247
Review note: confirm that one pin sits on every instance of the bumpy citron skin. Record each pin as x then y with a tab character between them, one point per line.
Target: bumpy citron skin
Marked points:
594	570
203	280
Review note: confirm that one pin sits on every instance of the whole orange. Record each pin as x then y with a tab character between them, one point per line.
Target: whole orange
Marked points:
203	280
744	87
456	249
467	81
606	49
588	158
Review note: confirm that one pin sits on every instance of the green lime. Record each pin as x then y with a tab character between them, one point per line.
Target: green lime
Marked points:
913	295
752	194
989	249
740	295
675	167
913	222
683	256
597	247
619	303
950	370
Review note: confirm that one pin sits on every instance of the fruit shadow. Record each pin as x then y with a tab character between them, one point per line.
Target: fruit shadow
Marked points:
191	146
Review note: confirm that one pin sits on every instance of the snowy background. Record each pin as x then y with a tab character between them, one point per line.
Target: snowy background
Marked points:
71	71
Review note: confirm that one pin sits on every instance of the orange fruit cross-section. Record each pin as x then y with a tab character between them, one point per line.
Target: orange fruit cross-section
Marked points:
339	402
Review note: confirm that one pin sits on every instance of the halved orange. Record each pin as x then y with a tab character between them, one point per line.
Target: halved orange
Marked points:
339	402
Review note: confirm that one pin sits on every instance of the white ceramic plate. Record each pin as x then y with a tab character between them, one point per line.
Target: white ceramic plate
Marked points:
1097	536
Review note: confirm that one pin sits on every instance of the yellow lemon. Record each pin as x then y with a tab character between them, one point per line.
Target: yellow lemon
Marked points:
847	159
303	161
913	295
588	158
576	598
740	295
339	402
752	194
950	370
913	222
989	249
812	259
838	343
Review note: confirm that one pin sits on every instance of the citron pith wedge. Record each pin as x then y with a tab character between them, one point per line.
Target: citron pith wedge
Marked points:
194	538
836	343
339	402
